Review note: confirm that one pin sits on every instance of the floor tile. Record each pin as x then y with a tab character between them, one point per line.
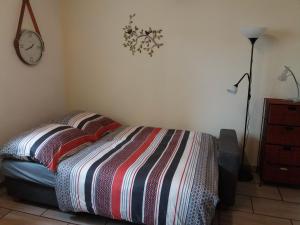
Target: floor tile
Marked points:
296	222
2	191
216	218
242	218
3	212
252	189
215	221
276	208
290	194
18	218
242	203
8	203
81	218
256	179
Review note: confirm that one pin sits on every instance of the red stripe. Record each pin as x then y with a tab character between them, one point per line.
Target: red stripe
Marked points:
83	165
157	174
119	175
110	127
64	149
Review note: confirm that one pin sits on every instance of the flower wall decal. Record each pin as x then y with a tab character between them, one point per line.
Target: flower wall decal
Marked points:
139	40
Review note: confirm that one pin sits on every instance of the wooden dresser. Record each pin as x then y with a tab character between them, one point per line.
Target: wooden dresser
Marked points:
280	142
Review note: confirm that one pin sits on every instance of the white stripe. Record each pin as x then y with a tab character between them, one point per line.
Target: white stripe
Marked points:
77	119
91	121
187	182
27	142
175	185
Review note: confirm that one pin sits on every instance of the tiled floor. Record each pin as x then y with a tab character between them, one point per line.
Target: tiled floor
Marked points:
255	205
262	205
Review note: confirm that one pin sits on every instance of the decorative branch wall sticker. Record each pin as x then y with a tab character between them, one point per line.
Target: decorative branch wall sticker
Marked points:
138	40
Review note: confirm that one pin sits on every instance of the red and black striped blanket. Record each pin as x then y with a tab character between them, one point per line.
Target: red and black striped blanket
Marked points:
143	175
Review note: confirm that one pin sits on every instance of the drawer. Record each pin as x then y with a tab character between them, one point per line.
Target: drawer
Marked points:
280	174
282	155
283	135
284	114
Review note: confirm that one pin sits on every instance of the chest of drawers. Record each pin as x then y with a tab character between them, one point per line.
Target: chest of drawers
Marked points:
280	142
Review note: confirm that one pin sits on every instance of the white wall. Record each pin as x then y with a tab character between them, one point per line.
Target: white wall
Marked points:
184	84
30	95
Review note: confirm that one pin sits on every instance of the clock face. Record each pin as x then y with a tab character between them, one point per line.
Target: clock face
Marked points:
30	47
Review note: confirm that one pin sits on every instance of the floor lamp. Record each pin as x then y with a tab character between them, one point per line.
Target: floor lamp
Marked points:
252	33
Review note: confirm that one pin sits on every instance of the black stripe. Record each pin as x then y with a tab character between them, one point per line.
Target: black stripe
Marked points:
165	189
44	137
83	122
91	171
140	179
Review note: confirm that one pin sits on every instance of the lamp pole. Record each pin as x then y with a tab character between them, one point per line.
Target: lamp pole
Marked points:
245	173
252	34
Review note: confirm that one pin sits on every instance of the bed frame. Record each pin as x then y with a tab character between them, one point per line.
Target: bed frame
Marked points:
229	157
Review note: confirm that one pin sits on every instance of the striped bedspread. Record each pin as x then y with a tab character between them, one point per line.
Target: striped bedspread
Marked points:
144	175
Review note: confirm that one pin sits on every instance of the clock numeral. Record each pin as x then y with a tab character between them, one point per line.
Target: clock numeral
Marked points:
30	47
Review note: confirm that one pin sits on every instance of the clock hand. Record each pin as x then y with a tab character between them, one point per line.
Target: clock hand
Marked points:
29	47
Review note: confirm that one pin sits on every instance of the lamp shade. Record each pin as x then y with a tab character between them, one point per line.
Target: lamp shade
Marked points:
252	32
284	75
233	89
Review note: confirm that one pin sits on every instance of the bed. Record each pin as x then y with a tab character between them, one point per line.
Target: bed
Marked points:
178	177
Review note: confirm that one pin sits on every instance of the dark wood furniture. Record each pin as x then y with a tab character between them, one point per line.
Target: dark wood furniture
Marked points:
280	142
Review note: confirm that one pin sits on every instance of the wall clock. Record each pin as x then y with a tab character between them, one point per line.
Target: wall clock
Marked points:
28	44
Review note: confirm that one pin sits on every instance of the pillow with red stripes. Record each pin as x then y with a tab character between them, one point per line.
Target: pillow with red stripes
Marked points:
48	144
93	124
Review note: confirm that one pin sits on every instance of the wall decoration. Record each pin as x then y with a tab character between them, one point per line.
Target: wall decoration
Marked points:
28	44
141	40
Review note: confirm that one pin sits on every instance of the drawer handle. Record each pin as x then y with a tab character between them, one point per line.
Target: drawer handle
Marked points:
289	128
283	169
287	148
292	108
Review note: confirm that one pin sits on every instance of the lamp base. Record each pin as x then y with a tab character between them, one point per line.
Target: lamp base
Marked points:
245	174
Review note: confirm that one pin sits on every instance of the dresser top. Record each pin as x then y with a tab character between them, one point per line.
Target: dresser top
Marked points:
281	101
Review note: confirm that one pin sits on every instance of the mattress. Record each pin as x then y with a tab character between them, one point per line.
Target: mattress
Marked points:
28	171
144	175
37	173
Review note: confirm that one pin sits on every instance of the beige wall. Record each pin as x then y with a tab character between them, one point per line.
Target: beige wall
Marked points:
184	84
30	95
